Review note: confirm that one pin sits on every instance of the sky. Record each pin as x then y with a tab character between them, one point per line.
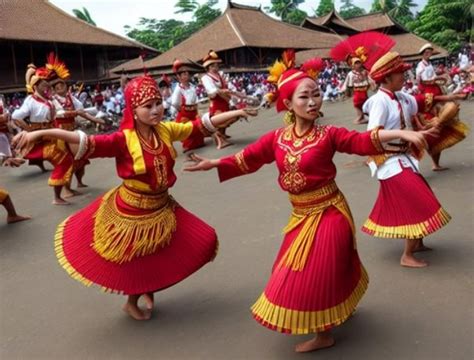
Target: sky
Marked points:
112	15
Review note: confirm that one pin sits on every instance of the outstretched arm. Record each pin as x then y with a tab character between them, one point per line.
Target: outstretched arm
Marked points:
24	139
229	117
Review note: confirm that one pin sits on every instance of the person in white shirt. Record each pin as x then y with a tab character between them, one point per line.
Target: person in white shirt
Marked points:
37	112
67	107
425	74
406	207
184	100
359	82
217	90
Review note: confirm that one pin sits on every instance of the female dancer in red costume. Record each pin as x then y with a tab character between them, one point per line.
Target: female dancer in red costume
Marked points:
136	239
317	279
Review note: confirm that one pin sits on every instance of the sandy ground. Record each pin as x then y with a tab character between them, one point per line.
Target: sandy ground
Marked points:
406	314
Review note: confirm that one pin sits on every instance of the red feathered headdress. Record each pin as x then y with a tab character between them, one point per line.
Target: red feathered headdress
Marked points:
366	47
286	76
58	69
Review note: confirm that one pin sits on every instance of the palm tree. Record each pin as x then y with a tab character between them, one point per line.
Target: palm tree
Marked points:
84	15
402	9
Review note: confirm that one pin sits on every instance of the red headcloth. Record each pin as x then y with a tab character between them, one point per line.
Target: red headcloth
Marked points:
286	77
138	91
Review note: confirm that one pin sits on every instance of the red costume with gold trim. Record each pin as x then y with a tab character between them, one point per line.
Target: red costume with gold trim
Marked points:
406	207
449	135
317	278
212	83
136	238
184	98
39	114
365	48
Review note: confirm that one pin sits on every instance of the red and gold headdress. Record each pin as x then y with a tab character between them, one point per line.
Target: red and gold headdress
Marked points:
210	58
389	63
366	47
286	76
138	91
33	75
58	69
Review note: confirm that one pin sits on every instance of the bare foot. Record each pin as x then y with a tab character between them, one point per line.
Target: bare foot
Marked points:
60	201
69	193
316	343
412	262
223	144
149	300
422	248
439	168
82	185
17	218
135	312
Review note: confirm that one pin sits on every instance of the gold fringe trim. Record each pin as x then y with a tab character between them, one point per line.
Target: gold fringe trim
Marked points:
66	179
66	265
3	195
306	322
460	132
297	254
120	237
409	231
58	249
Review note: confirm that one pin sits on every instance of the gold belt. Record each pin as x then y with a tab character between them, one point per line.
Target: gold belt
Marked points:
308	201
40	126
143	201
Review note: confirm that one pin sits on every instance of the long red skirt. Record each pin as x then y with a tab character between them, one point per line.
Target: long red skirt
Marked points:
196	140
192	245
406	207
326	292
449	136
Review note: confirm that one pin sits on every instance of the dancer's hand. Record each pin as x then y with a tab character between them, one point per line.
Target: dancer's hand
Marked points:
21	140
13	162
250	111
200	164
417	138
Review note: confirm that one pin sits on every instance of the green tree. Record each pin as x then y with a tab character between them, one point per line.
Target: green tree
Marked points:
447	23
84	15
325	7
287	10
159	34
383	5
164	34
348	9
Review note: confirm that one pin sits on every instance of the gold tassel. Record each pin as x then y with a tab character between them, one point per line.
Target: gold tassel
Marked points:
297	254
120	237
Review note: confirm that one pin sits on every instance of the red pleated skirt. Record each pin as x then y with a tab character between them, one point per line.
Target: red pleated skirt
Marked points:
196	140
359	98
449	136
192	245
57	153
326	292
406	207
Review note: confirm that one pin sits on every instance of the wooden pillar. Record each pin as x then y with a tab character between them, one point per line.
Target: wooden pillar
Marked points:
32	57
15	75
260	58
81	57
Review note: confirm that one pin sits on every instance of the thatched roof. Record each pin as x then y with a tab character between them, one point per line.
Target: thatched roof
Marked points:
326	22
374	21
39	20
239	27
